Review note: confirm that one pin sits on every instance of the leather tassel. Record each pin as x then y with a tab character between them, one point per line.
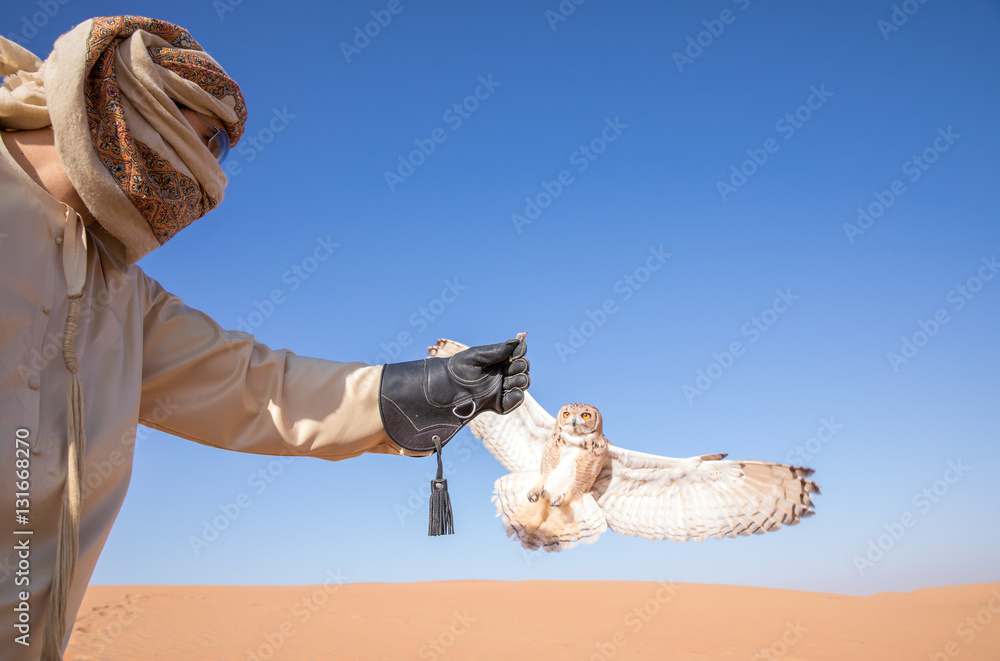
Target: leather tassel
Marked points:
441	521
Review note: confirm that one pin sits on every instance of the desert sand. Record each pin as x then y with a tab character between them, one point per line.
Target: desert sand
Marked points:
513	620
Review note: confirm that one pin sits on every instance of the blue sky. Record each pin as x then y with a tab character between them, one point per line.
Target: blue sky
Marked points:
727	144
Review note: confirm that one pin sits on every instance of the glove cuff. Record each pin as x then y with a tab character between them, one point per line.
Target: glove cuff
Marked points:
409	415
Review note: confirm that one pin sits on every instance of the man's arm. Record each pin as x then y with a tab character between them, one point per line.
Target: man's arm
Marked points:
224	389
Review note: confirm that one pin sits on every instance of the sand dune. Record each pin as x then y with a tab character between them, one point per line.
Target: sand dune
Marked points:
512	620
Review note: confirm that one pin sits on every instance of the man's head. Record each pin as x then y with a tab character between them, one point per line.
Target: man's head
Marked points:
136	106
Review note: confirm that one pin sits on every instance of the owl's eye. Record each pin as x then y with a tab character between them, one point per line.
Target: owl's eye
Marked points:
565	414
586	416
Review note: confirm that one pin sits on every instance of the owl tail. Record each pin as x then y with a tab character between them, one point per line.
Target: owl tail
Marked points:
538	525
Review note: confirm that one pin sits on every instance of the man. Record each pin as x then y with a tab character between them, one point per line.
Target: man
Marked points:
111	146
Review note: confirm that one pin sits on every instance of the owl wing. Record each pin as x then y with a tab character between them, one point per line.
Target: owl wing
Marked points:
655	497
516	439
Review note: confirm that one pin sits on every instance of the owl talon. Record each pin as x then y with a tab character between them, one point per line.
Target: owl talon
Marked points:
535	494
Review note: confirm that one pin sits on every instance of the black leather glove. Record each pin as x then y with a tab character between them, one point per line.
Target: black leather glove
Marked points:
432	397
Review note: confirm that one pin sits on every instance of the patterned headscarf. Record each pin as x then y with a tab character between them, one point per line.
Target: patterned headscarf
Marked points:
110	90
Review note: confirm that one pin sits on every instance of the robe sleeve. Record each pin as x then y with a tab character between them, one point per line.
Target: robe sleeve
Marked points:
224	389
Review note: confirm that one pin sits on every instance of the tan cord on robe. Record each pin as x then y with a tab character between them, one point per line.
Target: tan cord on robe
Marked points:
75	266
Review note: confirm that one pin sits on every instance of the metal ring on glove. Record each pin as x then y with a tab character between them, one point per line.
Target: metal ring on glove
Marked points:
465	417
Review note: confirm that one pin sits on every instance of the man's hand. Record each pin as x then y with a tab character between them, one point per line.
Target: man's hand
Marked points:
436	396
470	371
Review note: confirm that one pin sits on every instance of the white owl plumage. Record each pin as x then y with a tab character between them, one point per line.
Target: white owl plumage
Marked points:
634	493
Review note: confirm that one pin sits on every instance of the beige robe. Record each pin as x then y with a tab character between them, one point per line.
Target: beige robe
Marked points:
144	358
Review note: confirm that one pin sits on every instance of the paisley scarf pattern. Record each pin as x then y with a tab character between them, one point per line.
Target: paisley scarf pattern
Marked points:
168	199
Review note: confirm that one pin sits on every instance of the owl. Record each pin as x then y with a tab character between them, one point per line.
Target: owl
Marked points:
567	484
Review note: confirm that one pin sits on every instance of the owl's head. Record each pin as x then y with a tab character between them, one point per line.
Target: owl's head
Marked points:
579	419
